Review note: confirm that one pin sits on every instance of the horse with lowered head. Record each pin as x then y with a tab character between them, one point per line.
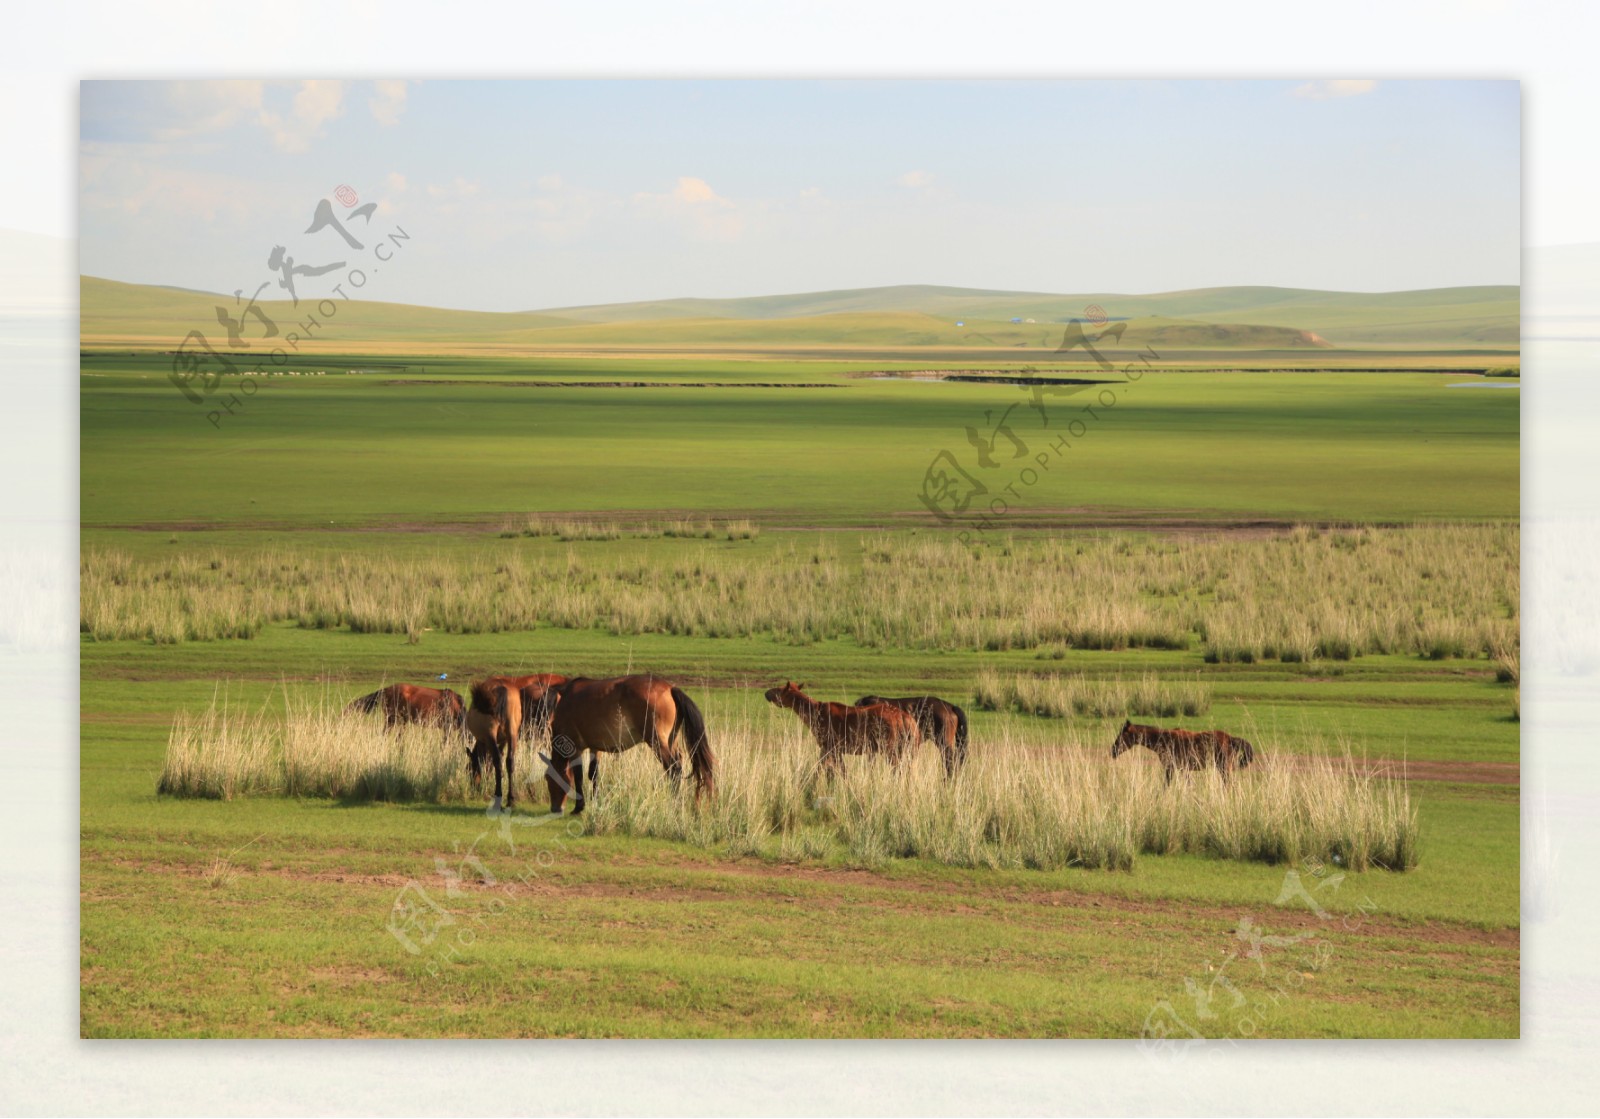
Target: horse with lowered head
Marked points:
494	720
613	715
939	721
1187	749
409	703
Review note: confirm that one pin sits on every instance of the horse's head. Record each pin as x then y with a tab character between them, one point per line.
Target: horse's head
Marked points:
1126	739
786	696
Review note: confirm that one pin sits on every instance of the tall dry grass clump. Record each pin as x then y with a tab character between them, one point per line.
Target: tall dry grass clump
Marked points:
310	748
1311	594
1018	804
1021	801
1062	696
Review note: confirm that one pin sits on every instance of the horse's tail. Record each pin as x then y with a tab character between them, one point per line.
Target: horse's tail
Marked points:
451	711
961	735
502	712
365	703
693	723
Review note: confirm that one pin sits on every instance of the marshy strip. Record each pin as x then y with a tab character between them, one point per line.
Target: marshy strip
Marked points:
975	376
487	383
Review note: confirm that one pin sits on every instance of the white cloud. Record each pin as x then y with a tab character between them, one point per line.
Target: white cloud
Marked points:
548	182
695	204
196	108
1327	89
396	182
697	192
129	178
389	98
456	188
916	180
315	103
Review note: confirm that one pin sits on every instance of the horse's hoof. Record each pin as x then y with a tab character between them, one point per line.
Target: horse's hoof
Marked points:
494	806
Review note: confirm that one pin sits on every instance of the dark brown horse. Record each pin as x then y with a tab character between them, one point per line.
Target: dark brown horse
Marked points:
494	720
1187	749
610	716
409	703
939	721
877	728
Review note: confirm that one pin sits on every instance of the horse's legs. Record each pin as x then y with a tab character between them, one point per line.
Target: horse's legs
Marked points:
511	769
557	775
1169	772
671	759
575	775
830	765
499	774
946	741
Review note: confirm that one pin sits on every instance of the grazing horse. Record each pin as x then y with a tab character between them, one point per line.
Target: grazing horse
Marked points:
495	721
1188	749
538	701
610	716
939	721
877	728
408	703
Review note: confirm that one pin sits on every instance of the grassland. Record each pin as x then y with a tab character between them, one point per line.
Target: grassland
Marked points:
1218	446
467	514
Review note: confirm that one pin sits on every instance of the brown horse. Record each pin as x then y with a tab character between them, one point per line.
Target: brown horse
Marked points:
538	701
610	716
408	703
877	728
938	721
494	720
1187	749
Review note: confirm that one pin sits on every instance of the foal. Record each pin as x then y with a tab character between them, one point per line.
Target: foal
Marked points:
877	728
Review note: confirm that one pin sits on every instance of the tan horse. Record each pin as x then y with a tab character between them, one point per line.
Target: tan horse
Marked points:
1187	749
610	716
877	728
494	720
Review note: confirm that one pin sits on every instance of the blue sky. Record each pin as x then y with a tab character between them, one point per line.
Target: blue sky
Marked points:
517	195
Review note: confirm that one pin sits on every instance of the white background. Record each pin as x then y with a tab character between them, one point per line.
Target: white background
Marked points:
45	1069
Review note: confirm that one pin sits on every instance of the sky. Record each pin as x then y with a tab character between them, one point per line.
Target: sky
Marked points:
534	194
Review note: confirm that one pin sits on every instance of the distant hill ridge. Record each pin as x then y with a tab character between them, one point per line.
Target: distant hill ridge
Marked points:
906	315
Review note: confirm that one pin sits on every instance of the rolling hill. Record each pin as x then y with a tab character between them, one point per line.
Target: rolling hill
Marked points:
911	317
1483	315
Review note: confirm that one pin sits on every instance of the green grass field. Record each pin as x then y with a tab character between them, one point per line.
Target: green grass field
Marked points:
1332	446
272	916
